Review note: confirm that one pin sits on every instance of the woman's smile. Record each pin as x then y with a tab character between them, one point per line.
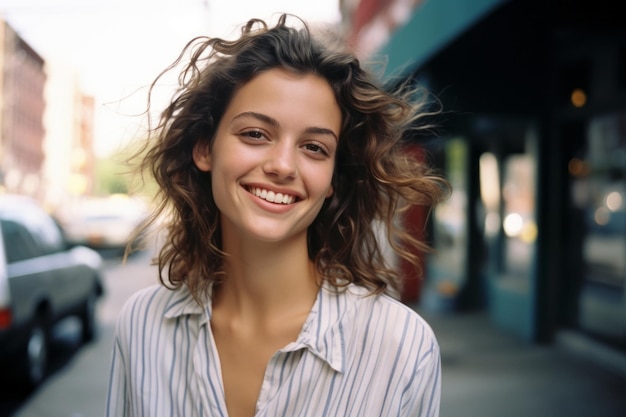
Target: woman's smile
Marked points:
271	196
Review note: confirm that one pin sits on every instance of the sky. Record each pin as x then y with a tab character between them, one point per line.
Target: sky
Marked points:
117	47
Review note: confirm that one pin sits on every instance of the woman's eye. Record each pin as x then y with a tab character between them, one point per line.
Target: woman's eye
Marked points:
253	134
315	148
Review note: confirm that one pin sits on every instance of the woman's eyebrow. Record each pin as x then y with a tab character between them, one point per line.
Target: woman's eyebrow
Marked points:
321	131
270	120
259	116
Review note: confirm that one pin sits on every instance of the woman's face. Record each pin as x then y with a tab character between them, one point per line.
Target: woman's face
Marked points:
273	156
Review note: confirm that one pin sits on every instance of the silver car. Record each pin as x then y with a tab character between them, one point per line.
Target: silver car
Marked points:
42	280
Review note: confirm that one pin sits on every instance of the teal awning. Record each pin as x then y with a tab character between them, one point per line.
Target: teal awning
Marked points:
434	24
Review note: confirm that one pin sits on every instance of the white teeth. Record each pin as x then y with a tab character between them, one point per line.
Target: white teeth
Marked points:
273	197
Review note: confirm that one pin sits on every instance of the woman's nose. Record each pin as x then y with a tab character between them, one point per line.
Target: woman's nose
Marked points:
281	161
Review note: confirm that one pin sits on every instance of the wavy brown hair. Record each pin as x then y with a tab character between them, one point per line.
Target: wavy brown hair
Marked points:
374	179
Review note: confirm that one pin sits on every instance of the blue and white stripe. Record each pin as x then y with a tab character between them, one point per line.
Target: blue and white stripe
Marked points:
357	355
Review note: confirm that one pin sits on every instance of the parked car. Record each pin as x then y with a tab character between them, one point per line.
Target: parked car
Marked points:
103	222
42	281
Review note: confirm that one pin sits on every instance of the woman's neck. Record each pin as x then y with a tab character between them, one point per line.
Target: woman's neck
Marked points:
267	281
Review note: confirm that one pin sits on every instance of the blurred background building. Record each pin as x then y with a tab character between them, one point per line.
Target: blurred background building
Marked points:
46	125
533	139
69	119
22	82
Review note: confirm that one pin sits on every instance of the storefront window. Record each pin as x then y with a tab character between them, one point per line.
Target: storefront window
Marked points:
518	221
507	189
599	190
508	178
604	248
447	267
490	193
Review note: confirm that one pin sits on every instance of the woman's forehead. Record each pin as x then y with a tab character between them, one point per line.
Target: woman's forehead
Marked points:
287	97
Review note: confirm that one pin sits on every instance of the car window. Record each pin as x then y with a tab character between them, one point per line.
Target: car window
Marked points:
45	231
18	242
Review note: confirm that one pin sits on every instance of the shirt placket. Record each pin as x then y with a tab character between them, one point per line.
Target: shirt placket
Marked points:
277	373
208	373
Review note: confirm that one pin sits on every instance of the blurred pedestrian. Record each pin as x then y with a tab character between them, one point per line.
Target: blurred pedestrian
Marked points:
274	158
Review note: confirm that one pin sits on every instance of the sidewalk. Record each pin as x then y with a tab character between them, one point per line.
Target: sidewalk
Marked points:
489	373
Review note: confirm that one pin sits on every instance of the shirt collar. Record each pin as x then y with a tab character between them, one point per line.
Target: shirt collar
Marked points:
323	332
182	303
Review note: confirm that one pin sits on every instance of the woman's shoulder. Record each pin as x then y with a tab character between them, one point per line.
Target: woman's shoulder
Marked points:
152	304
144	297
390	318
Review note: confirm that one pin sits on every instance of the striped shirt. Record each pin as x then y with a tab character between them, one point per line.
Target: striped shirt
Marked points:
356	355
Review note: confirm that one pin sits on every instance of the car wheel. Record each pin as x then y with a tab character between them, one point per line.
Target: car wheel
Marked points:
88	318
34	361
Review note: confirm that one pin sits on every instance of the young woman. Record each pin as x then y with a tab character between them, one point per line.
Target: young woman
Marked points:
274	159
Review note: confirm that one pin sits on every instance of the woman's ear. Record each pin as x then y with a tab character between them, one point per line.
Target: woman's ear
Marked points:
202	157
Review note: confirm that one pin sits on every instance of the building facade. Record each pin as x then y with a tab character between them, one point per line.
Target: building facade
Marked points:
22	83
46	125
69	120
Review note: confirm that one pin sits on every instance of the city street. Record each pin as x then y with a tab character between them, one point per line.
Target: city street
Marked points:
486	372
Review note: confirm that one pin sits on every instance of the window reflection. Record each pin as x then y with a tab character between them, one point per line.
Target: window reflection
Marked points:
518	224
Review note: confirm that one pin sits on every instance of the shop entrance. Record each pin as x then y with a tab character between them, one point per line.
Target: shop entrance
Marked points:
508	192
